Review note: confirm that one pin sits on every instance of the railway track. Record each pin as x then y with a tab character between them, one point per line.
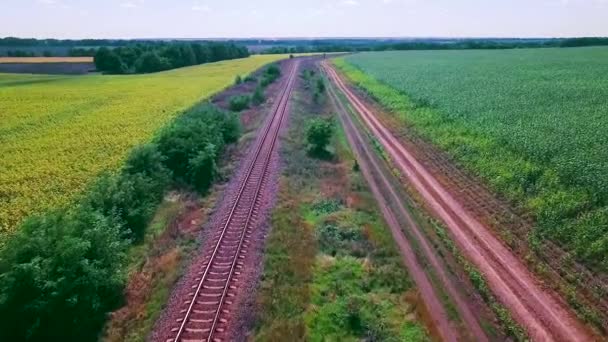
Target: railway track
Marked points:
206	313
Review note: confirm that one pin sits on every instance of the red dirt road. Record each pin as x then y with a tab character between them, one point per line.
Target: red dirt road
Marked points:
541	312
392	209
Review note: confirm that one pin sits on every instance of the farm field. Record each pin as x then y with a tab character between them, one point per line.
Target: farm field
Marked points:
532	122
59	132
46	60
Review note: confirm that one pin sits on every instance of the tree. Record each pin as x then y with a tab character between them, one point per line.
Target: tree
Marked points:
151	62
108	61
202	53
59	276
318	135
187	54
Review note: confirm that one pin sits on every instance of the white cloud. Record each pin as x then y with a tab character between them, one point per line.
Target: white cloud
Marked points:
349	2
47	2
132	4
201	8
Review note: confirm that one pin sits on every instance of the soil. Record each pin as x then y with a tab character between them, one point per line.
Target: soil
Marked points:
545	315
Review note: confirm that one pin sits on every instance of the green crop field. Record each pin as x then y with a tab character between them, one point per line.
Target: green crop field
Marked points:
58	132
532	122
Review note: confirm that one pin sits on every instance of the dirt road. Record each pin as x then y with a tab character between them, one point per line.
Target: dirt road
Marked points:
398	217
541	312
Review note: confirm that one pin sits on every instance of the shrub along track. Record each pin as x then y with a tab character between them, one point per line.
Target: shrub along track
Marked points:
541	312
397	216
208	309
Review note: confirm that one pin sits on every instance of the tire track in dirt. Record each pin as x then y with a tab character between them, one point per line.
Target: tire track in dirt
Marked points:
387	199
543	315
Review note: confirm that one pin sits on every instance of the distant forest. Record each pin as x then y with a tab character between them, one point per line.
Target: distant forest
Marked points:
18	47
354	45
145	58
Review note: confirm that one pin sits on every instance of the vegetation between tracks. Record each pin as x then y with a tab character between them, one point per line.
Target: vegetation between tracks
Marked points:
57	133
331	269
505	115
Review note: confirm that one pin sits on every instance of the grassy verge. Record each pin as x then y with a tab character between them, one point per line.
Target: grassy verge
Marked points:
153	267
344	280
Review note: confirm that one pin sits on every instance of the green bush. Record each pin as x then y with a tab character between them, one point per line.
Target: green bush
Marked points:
270	75
320	86
59	275
258	96
238	80
195	133
318	134
239	103
335	240
202	168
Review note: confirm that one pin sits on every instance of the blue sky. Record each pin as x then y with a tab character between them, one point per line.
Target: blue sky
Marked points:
311	18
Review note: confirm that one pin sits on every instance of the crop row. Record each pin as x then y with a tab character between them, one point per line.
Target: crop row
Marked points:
59	132
533	123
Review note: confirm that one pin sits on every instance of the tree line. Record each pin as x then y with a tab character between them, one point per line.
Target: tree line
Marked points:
433	44
145	58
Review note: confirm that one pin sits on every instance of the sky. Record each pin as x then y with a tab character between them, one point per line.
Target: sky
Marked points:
302	18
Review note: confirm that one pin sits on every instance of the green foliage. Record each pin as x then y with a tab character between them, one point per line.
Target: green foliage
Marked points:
335	240
191	144
239	102
320	86
63	271
358	280
59	275
306	293
238	80
270	75
258	96
108	61
151	62
144	58
202	167
318	134
326	206
546	153
133	195
250	78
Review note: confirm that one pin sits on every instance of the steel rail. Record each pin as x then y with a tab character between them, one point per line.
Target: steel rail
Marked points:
278	112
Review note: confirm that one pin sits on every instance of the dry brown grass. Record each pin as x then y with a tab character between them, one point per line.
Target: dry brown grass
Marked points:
46	59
